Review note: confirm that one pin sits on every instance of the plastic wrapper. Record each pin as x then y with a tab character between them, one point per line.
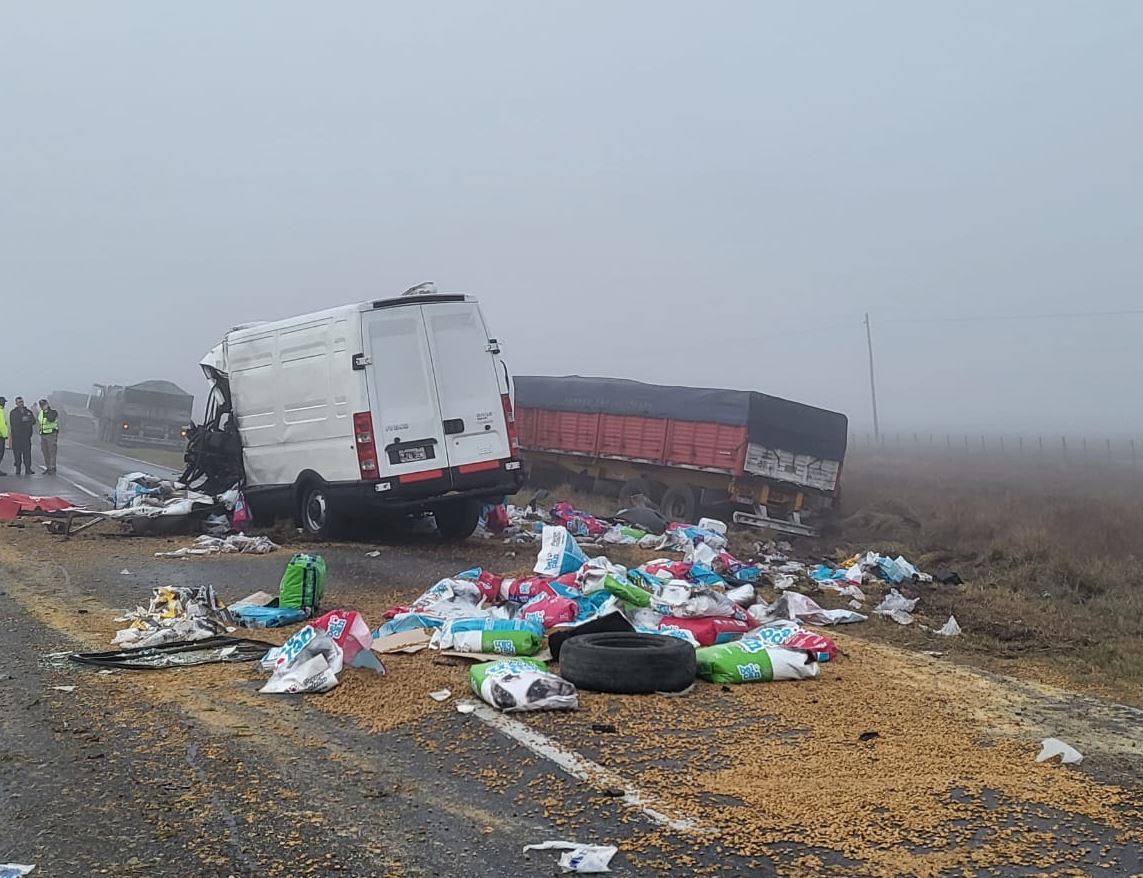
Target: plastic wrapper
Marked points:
449	598
797	607
267	617
348	630
309	661
550	611
793	636
559	553
625	591
521	684
751	661
499	636
706	631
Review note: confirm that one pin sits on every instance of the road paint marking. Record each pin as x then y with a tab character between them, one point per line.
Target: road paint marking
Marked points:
580	767
110	453
71	477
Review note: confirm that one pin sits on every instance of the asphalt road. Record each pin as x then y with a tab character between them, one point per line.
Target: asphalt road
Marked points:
191	772
86	474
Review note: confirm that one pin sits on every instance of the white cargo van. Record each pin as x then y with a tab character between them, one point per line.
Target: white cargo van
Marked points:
397	405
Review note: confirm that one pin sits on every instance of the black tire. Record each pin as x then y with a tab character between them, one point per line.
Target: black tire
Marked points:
457	520
316	514
628	663
630	488
679	504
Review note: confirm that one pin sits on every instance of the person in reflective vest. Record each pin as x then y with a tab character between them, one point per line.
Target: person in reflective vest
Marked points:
49	435
21	424
3	433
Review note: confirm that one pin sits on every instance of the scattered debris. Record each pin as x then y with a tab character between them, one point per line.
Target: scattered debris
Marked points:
178	654
233	544
1050	748
581	858
124	572
869	736
441	695
14	870
309	661
521	684
949	629
465	706
175	614
373	554
64	688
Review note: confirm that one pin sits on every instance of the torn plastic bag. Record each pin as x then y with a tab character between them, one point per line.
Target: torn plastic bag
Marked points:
309	661
895	601
591	576
797	607
751	661
449	598
586	859
521	684
348	631
744	595
627	592
1050	748
407	622
559	553
949	629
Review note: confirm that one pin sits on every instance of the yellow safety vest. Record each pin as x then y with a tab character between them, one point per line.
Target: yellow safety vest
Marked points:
47	427
3	425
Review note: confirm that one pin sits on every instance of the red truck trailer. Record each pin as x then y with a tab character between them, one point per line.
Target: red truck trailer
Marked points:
766	461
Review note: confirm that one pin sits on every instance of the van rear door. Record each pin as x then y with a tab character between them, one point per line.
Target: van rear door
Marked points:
468	385
407	422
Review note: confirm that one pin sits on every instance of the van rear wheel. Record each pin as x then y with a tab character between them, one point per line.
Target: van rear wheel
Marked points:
457	520
315	513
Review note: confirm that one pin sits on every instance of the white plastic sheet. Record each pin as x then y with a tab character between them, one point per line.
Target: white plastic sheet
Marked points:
1050	748
584	859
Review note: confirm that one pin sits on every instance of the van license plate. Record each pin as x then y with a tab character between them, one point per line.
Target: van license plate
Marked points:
411	455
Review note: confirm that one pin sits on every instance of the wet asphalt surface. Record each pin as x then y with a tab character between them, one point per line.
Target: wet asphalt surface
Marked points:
132	785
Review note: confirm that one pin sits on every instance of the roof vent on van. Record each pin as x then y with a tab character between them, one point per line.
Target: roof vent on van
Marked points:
428	288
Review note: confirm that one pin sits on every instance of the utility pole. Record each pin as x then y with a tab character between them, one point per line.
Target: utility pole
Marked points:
872	384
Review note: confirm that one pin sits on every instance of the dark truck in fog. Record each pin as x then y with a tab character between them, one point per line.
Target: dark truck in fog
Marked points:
155	413
761	460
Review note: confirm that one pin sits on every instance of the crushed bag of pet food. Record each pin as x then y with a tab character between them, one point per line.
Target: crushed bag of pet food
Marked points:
500	636
752	661
708	631
793	636
521	684
559	553
550	610
627	592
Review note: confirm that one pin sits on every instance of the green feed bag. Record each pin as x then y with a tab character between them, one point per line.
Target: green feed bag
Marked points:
303	583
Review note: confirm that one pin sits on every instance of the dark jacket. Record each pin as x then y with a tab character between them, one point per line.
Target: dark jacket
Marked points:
21	424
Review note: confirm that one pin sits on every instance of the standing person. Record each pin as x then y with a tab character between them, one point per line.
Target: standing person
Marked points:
3	433
21	424
49	435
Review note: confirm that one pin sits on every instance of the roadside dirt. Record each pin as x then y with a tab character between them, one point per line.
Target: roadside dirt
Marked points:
945	782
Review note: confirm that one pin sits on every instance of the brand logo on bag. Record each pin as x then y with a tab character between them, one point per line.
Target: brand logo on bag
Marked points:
749	672
336	627
504	647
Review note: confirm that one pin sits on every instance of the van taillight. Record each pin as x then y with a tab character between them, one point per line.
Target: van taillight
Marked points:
510	424
366	449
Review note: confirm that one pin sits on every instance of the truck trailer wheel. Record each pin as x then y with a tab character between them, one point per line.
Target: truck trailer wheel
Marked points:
315	513
457	520
633	487
678	504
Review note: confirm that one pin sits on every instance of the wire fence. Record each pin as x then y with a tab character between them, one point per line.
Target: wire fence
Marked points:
1103	450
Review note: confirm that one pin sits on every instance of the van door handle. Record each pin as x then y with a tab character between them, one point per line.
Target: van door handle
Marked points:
453	426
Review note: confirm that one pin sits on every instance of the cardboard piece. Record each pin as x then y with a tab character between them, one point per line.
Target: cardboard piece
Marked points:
258	599
404	641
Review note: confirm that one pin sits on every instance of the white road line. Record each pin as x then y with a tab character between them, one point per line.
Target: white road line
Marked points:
72	477
580	767
108	451
80	487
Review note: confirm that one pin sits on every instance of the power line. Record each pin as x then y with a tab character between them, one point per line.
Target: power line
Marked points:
984	318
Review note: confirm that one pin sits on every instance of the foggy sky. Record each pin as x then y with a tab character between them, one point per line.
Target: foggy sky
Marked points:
691	193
